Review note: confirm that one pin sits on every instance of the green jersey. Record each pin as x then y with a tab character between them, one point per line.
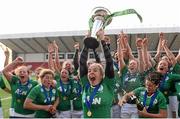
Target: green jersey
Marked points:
2	86
42	96
176	69
118	88
176	78
65	94
102	98
158	103
167	85
19	93
77	94
131	81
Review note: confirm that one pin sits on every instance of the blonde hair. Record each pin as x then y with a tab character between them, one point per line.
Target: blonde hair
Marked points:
65	62
101	69
16	71
44	72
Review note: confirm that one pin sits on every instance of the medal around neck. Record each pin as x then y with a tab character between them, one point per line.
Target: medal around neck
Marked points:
89	113
64	98
101	17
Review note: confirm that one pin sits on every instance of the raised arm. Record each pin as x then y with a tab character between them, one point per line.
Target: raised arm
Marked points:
120	53
109	70
7	71
6	53
159	48
98	60
83	61
178	57
168	52
76	56
57	64
146	54
129	50
50	59
139	45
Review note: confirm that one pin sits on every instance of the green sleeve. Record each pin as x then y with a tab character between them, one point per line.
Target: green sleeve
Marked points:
110	82
176	69
75	72
2	85
57	76
14	79
123	73
138	90
162	102
33	93
84	80
57	94
174	77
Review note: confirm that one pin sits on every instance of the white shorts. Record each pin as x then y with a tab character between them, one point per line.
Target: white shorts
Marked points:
63	114
116	111
1	113
129	111
11	112
77	114
172	106
21	115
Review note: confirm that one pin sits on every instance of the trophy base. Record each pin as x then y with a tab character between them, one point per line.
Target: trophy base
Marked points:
91	42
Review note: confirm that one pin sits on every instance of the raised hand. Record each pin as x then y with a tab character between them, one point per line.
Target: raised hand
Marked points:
161	36
100	34
6	52
19	59
55	46
76	46
50	48
139	42
164	43
145	41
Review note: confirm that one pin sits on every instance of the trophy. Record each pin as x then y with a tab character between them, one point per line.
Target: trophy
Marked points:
101	17
98	19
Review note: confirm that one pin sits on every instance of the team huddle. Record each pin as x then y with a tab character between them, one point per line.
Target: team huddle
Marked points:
123	86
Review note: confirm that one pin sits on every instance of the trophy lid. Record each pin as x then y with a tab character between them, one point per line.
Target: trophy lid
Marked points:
98	9
101	11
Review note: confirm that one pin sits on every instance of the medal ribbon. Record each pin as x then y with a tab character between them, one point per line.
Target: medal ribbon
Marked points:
92	95
119	13
162	82
79	89
48	98
20	86
151	101
62	86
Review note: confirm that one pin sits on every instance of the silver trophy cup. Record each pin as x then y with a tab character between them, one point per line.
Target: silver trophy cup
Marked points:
98	19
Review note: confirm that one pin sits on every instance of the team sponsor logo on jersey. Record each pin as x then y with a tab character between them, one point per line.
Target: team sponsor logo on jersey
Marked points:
65	90
95	100
155	102
20	92
167	78
100	90
30	86
130	79
52	99
53	91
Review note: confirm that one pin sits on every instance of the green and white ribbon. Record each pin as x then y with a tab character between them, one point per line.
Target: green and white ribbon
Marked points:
119	13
